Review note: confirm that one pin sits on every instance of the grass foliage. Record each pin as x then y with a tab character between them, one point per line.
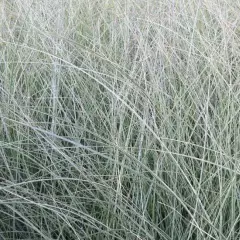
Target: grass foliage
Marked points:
119	120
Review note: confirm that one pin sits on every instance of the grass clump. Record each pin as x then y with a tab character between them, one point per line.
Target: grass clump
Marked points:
119	120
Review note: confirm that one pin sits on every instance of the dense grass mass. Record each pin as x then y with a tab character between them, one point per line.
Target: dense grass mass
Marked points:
119	120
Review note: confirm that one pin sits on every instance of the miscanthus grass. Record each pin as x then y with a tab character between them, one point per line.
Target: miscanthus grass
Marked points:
119	120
